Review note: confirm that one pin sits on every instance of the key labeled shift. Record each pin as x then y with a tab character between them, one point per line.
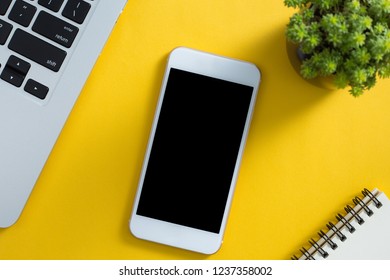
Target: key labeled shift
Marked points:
37	50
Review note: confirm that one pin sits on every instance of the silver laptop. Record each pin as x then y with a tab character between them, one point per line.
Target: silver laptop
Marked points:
47	50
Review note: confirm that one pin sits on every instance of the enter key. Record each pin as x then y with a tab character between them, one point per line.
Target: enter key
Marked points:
55	29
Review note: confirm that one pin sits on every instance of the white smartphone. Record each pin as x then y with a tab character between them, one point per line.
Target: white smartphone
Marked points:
194	151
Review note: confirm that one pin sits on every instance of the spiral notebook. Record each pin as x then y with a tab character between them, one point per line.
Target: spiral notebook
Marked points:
361	233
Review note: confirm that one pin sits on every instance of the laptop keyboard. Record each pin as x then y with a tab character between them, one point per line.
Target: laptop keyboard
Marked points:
39	34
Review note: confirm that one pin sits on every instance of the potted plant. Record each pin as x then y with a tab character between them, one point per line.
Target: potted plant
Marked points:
346	39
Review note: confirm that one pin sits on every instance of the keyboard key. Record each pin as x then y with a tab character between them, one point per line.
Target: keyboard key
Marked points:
22	13
5	30
37	50
18	65
76	10
4	5
15	71
53	5
36	89
11	76
55	29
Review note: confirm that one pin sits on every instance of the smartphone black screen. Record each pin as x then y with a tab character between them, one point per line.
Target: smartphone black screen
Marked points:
195	149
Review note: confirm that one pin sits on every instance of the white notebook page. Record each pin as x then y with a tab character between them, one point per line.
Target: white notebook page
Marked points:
369	241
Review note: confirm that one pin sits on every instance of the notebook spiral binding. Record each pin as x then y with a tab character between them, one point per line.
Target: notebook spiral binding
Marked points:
344	223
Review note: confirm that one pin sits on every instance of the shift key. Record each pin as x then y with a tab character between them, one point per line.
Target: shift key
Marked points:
37	50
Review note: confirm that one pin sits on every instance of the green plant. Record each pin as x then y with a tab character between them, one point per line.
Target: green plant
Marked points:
349	39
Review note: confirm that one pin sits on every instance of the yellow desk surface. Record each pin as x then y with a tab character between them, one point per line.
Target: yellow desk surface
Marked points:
309	151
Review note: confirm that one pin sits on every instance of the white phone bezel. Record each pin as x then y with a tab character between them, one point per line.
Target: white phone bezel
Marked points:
214	66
